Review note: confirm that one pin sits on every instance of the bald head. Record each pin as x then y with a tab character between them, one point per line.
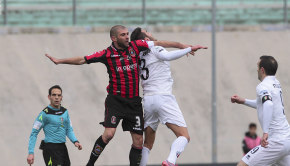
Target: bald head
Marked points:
114	30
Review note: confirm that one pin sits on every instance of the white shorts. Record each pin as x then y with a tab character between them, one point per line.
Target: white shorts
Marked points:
162	108
276	154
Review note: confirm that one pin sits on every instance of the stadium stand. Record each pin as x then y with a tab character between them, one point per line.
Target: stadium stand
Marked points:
42	13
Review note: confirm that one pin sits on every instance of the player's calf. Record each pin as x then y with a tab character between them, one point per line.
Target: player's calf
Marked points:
100	145
149	138
179	131
137	140
136	149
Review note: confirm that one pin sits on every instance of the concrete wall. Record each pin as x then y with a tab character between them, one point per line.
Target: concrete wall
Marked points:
26	75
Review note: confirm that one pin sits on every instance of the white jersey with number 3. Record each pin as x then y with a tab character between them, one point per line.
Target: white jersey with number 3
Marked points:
279	128
155	73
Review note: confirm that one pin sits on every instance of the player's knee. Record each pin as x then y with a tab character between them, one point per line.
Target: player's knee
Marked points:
138	141
108	136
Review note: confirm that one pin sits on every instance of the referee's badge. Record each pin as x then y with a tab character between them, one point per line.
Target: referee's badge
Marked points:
61	119
132	52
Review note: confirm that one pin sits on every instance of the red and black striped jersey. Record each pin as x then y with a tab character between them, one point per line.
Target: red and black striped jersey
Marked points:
122	67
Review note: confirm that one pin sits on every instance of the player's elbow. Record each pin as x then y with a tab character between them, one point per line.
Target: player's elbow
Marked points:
82	61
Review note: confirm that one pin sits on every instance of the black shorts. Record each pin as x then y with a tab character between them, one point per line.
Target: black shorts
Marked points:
128	109
55	154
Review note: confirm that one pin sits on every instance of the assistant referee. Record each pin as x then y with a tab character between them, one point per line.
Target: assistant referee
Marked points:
56	124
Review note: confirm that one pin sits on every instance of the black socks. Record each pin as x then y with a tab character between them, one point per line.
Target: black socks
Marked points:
97	150
135	156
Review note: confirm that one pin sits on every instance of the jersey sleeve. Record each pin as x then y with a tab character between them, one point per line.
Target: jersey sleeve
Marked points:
164	55
37	126
96	57
265	97
69	130
143	45
263	93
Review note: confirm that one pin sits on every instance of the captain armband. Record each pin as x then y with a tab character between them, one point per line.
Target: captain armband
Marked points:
265	98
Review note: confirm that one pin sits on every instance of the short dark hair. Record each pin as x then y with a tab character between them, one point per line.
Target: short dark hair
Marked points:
269	63
252	125
137	34
54	87
114	30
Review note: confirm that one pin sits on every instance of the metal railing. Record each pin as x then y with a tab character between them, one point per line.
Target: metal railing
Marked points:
143	6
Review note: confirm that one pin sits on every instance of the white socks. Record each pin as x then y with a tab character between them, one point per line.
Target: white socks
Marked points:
145	155
176	148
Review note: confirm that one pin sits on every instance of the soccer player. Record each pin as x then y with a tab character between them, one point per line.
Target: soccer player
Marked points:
159	103
56	124
123	101
275	144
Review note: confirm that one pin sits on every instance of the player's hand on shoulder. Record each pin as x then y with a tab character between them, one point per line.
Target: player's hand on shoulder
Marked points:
78	145
237	99
30	159
54	60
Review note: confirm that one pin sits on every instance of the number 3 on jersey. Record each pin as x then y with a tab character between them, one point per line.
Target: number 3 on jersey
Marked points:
143	67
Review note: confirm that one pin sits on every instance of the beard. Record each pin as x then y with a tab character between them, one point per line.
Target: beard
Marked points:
122	45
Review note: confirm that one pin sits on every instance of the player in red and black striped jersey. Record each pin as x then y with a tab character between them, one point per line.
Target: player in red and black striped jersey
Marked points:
123	102
122	66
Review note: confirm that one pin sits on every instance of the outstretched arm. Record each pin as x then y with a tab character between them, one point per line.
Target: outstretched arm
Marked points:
171	44
240	100
72	61
172	55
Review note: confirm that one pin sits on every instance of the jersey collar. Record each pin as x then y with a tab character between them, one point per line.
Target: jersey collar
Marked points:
116	49
269	78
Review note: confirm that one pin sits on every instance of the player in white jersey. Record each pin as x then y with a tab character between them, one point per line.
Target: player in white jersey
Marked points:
159	103
275	144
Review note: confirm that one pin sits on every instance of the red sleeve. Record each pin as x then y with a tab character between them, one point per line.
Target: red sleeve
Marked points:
96	57
141	45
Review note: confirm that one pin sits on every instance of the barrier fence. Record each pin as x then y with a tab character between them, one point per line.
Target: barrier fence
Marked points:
133	12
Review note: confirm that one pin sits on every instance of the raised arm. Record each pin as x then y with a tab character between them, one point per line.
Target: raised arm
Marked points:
170	44
72	61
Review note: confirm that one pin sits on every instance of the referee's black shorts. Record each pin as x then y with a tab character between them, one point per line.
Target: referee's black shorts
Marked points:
55	154
128	109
